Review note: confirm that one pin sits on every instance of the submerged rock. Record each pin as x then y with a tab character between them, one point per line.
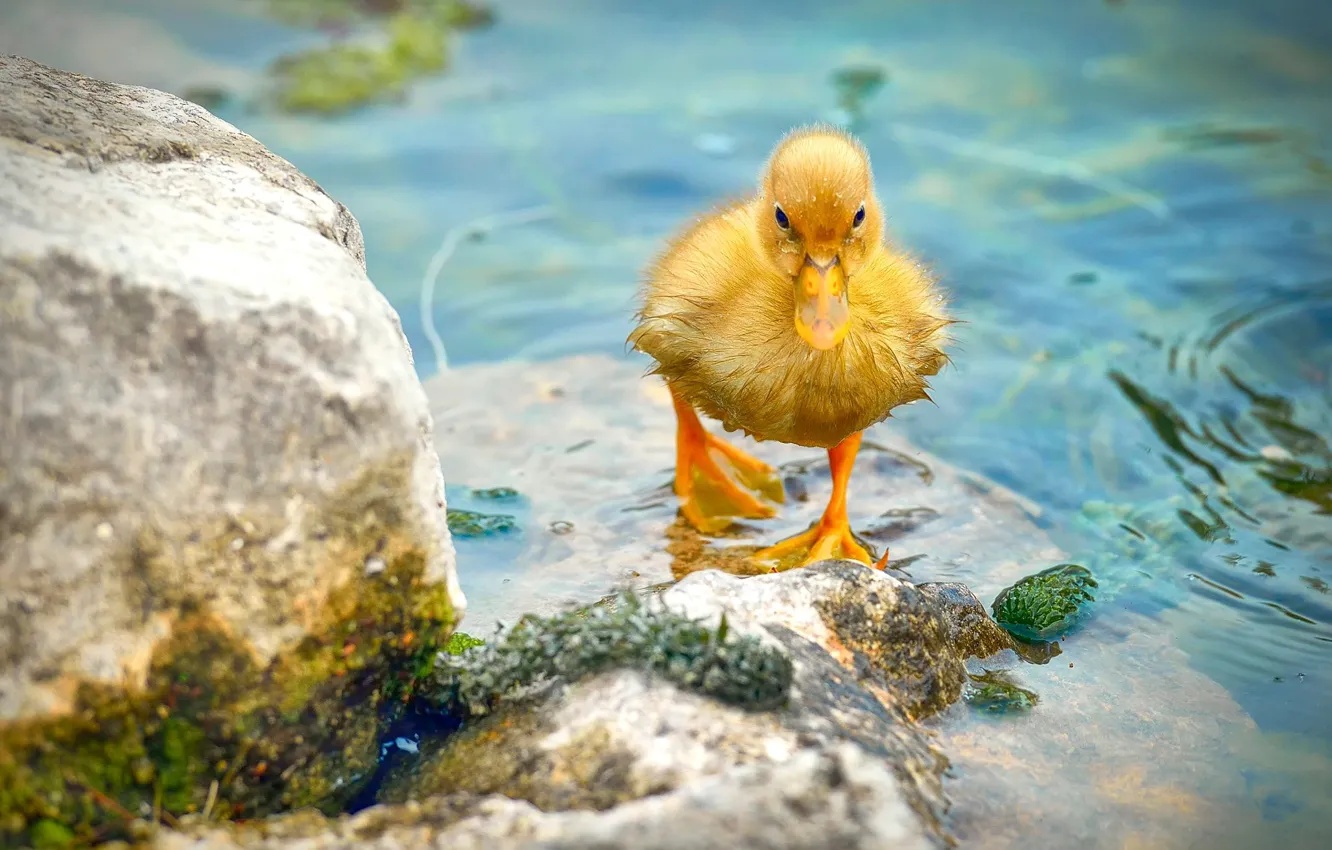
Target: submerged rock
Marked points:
223	551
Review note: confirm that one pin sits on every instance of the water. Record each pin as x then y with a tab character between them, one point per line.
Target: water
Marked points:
1130	203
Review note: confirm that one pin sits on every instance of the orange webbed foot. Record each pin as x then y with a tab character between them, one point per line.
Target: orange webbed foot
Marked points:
822	541
831	536
718	483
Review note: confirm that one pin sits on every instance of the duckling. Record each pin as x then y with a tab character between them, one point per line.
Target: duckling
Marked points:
788	317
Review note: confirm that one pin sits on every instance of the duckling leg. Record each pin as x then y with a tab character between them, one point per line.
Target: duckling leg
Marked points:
831	536
714	480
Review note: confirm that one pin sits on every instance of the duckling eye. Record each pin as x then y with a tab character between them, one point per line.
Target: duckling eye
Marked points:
782	221
860	217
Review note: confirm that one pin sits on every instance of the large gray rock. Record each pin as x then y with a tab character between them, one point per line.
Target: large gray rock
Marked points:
203	399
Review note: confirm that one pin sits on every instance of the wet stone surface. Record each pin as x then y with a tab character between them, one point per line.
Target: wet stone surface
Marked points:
1129	745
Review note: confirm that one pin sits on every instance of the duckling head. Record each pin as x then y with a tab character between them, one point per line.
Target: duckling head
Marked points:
818	222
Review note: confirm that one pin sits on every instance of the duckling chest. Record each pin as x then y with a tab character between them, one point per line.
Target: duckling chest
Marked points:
810	401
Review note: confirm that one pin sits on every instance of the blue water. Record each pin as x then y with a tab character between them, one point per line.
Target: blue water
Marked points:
1141	190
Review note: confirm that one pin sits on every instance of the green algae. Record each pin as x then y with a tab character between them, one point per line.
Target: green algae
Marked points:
1041	604
476	524
631	633
496	493
460	642
995	694
47	834
407	40
213	728
502	747
856	85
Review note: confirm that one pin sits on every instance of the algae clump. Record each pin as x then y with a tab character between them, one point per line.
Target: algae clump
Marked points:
475	524
411	43
496	493
460	642
994	694
856	85
1043	603
632	633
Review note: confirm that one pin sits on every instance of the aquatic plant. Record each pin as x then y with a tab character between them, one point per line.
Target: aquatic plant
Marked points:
1043	603
476	524
631	632
502	494
460	642
995	694
855	85
344	75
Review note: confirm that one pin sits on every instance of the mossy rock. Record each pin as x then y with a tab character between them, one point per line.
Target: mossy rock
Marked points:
493	689
212	723
630	633
1040	605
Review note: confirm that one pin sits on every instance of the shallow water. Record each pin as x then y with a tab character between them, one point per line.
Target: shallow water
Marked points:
1131	205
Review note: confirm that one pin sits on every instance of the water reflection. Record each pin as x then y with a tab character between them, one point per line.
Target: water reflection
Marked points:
1244	414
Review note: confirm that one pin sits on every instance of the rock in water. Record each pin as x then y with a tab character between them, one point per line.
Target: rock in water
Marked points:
210	425
624	758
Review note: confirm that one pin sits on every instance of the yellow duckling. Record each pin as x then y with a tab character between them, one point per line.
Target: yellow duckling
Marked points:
788	317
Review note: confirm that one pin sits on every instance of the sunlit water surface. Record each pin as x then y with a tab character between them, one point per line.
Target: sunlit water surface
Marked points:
1131	205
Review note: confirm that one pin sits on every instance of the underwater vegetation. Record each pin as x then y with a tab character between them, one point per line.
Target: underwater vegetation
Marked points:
628	632
992	693
476	524
1036	606
855	86
460	642
376	50
495	493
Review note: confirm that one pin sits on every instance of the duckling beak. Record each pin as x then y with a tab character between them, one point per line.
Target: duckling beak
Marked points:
822	314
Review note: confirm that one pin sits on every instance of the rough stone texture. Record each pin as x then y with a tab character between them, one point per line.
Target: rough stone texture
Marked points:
893	637
971	631
839	799
1129	747
192	365
618	737
844	765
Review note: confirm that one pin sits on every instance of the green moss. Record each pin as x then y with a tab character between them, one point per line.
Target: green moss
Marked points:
1046	602
475	524
994	694
48	834
631	633
460	642
300	731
